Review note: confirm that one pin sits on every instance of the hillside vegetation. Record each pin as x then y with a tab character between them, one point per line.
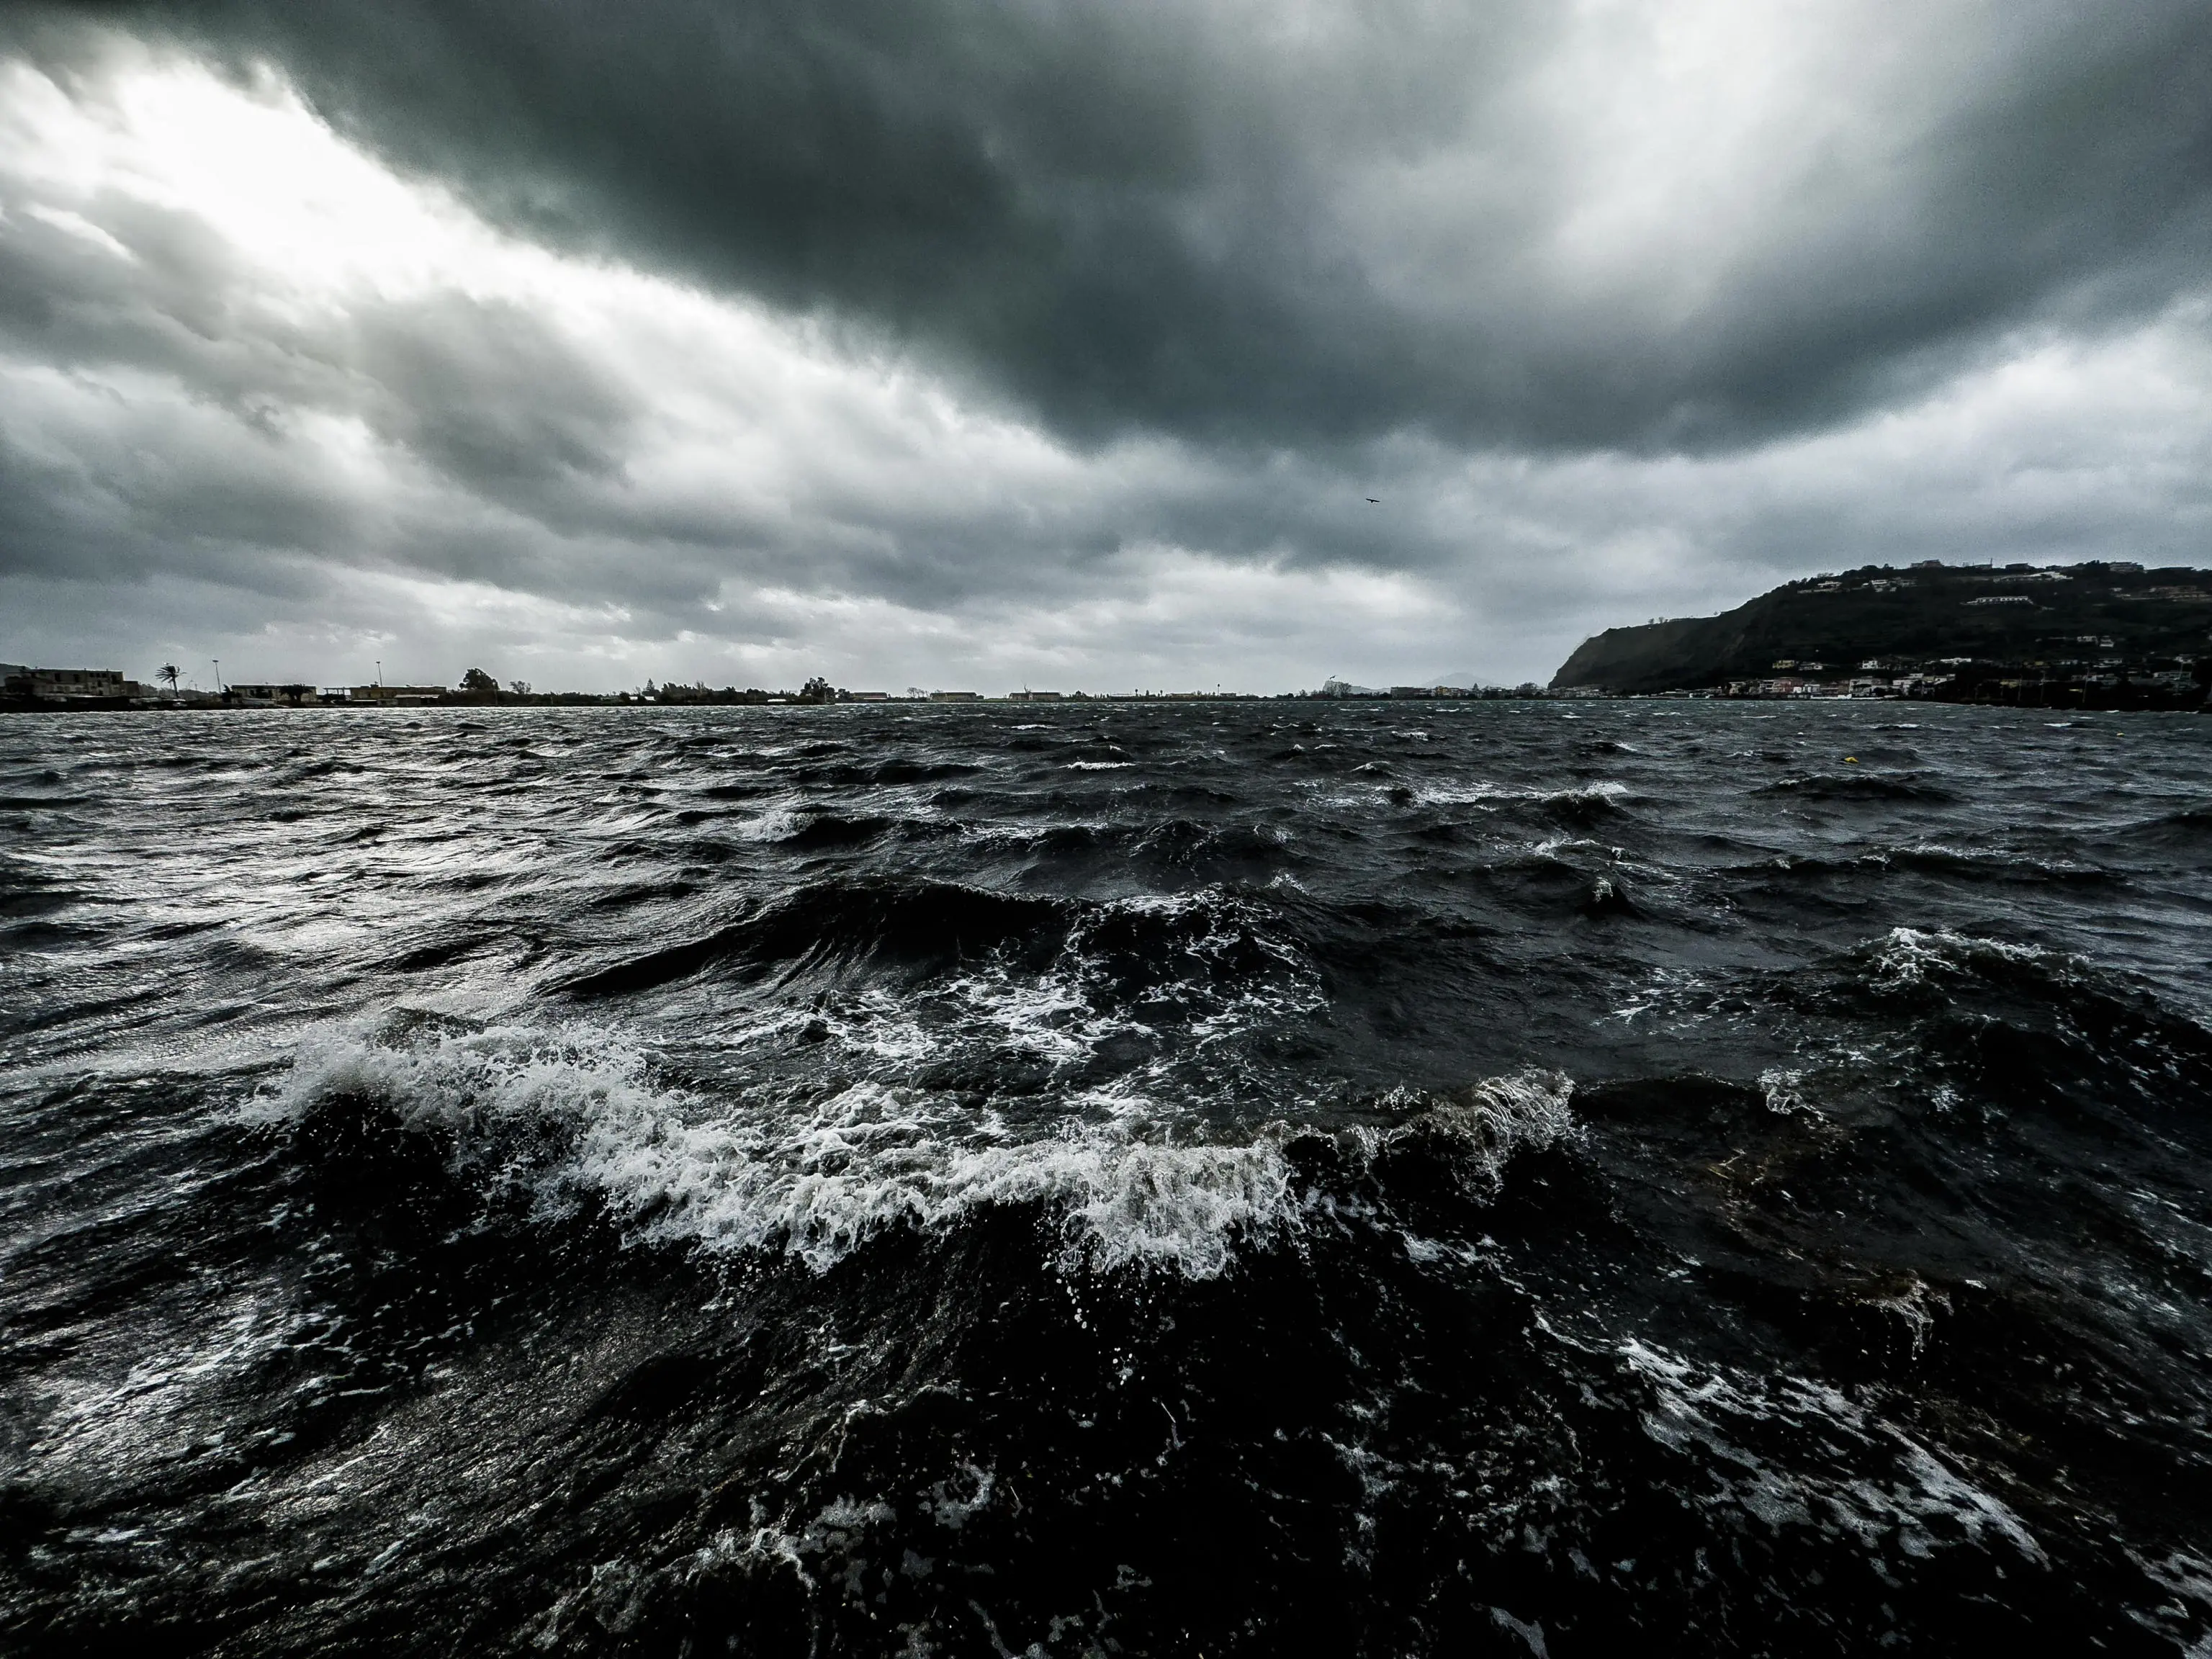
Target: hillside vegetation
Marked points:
2072	621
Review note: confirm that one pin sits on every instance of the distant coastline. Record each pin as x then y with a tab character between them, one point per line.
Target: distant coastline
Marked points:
693	697
31	691
2095	636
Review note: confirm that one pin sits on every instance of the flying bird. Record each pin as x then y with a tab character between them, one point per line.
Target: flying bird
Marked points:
1371	501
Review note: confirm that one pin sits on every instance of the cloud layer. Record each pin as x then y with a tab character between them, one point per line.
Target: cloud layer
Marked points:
1060	343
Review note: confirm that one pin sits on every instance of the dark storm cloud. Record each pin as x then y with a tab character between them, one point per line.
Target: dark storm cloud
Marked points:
1302	222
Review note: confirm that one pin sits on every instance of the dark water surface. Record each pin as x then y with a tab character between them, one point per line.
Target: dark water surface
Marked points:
1514	1178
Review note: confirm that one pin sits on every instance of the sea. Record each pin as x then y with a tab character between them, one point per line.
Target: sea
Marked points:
1530	1178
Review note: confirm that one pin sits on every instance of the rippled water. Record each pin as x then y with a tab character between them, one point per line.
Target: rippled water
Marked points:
1179	1179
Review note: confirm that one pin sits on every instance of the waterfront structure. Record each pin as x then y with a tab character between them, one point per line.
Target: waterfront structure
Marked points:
17	680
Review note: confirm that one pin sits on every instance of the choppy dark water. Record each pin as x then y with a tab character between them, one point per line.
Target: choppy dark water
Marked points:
1492	1178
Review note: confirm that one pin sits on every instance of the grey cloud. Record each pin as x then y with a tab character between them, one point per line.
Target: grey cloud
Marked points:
478	388
487	394
1160	216
514	425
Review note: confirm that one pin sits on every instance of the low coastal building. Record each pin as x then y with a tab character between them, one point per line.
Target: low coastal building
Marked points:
255	695
956	696
66	684
410	694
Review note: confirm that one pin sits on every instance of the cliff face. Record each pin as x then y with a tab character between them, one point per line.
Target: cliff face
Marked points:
1656	656
2086	612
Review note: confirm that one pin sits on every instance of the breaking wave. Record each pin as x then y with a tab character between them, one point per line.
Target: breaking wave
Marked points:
574	1123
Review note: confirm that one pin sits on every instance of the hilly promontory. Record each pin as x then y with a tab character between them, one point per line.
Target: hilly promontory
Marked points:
1971	623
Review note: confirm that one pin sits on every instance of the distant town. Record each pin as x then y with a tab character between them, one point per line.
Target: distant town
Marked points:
2102	634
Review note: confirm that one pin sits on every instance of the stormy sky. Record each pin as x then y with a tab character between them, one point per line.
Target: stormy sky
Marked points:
986	343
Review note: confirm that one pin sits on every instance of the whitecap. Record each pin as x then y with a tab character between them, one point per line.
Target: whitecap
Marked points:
572	1121
776	823
573	1118
1905	959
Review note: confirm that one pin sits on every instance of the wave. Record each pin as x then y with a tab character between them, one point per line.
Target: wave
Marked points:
1181	842
908	770
2184	827
1855	1477
1215	956
1998	862
979	979
1935	858
826	923
1911	959
1857	786
1583	803
818	831
569	1121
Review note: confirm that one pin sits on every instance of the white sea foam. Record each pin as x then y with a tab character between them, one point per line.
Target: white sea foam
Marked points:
573	1119
774	823
1905	959
1786	1091
1606	792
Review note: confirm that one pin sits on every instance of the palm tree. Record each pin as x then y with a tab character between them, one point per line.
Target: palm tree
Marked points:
169	673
